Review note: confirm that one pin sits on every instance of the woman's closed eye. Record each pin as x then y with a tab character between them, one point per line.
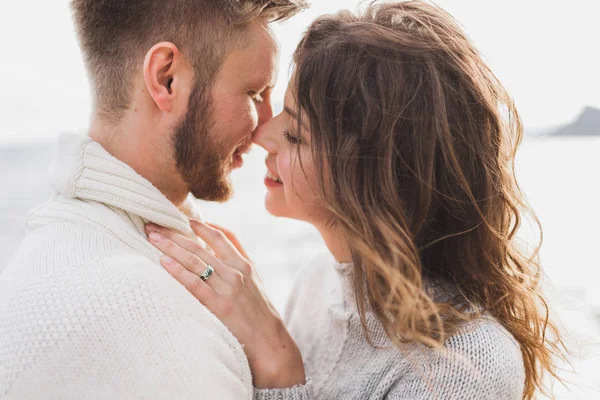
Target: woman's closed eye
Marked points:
290	138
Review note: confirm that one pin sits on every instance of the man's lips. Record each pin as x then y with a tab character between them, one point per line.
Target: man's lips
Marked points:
243	149
236	157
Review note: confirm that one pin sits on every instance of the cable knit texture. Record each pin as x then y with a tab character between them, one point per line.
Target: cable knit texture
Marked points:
482	362
86	310
300	392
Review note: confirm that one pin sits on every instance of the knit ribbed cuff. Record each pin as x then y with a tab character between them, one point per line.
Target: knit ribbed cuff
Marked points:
300	392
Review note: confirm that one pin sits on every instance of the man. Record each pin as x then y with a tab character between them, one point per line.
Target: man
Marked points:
86	311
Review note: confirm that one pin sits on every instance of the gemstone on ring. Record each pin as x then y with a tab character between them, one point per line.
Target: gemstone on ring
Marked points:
207	273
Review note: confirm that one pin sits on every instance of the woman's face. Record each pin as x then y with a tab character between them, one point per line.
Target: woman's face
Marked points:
292	190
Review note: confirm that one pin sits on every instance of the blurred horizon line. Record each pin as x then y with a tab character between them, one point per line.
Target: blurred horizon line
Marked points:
15	141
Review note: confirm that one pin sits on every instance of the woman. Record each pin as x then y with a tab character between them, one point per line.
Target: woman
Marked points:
397	144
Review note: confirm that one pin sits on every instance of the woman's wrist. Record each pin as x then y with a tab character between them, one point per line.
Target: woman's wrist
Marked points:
280	377
283	368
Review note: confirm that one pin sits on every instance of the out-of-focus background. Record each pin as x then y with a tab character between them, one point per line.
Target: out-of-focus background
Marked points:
546	53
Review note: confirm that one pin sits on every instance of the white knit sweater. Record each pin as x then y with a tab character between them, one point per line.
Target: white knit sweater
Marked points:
482	362
87	312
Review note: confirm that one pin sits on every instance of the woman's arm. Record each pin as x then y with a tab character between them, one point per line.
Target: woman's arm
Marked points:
234	294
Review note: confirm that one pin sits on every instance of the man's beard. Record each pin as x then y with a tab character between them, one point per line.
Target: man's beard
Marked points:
198	157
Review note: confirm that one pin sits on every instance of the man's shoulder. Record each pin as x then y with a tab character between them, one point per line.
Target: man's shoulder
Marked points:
65	247
67	232
121	312
72	215
109	291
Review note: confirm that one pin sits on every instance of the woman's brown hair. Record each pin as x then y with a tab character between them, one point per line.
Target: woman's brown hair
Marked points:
419	137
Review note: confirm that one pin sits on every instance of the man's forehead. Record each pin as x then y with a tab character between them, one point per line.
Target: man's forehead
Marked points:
261	53
254	60
260	35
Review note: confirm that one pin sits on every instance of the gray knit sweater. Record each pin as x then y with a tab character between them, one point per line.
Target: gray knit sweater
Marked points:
482	362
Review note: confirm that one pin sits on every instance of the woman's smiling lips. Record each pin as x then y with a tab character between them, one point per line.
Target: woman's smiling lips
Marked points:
272	180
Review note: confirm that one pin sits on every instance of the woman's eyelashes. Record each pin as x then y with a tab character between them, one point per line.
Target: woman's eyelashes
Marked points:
290	138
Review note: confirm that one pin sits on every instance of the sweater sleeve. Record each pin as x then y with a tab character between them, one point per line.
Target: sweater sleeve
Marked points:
483	362
130	330
300	392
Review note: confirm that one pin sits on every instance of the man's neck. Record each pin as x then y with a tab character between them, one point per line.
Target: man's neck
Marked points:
138	149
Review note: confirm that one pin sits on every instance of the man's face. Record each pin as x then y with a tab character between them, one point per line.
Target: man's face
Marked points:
216	131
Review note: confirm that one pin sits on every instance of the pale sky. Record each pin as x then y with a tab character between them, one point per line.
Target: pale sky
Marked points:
545	52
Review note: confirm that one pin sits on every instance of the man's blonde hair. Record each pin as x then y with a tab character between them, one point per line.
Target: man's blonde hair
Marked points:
115	35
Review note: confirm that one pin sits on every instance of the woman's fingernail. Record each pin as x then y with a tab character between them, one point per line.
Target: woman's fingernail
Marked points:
155	237
167	260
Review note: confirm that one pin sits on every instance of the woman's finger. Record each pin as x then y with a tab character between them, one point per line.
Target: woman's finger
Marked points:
186	258
192	262
222	247
232	238
185	243
192	282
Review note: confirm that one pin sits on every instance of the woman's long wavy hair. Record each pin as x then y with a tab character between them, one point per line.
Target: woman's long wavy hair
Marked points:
420	137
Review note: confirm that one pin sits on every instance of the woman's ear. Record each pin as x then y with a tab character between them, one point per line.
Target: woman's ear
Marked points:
160	71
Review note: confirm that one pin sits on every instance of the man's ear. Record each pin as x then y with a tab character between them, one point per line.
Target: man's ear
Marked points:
160	67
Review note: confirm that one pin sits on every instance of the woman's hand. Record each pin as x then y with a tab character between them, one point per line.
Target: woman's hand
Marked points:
233	293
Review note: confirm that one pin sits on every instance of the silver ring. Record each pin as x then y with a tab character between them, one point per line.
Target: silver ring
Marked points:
207	273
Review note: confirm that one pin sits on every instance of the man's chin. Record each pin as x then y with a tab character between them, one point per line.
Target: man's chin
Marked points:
219	192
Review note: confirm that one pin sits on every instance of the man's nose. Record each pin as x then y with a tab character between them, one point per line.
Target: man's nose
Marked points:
265	113
263	137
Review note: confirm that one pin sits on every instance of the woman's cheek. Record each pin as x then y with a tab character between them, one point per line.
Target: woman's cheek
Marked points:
284	167
305	183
